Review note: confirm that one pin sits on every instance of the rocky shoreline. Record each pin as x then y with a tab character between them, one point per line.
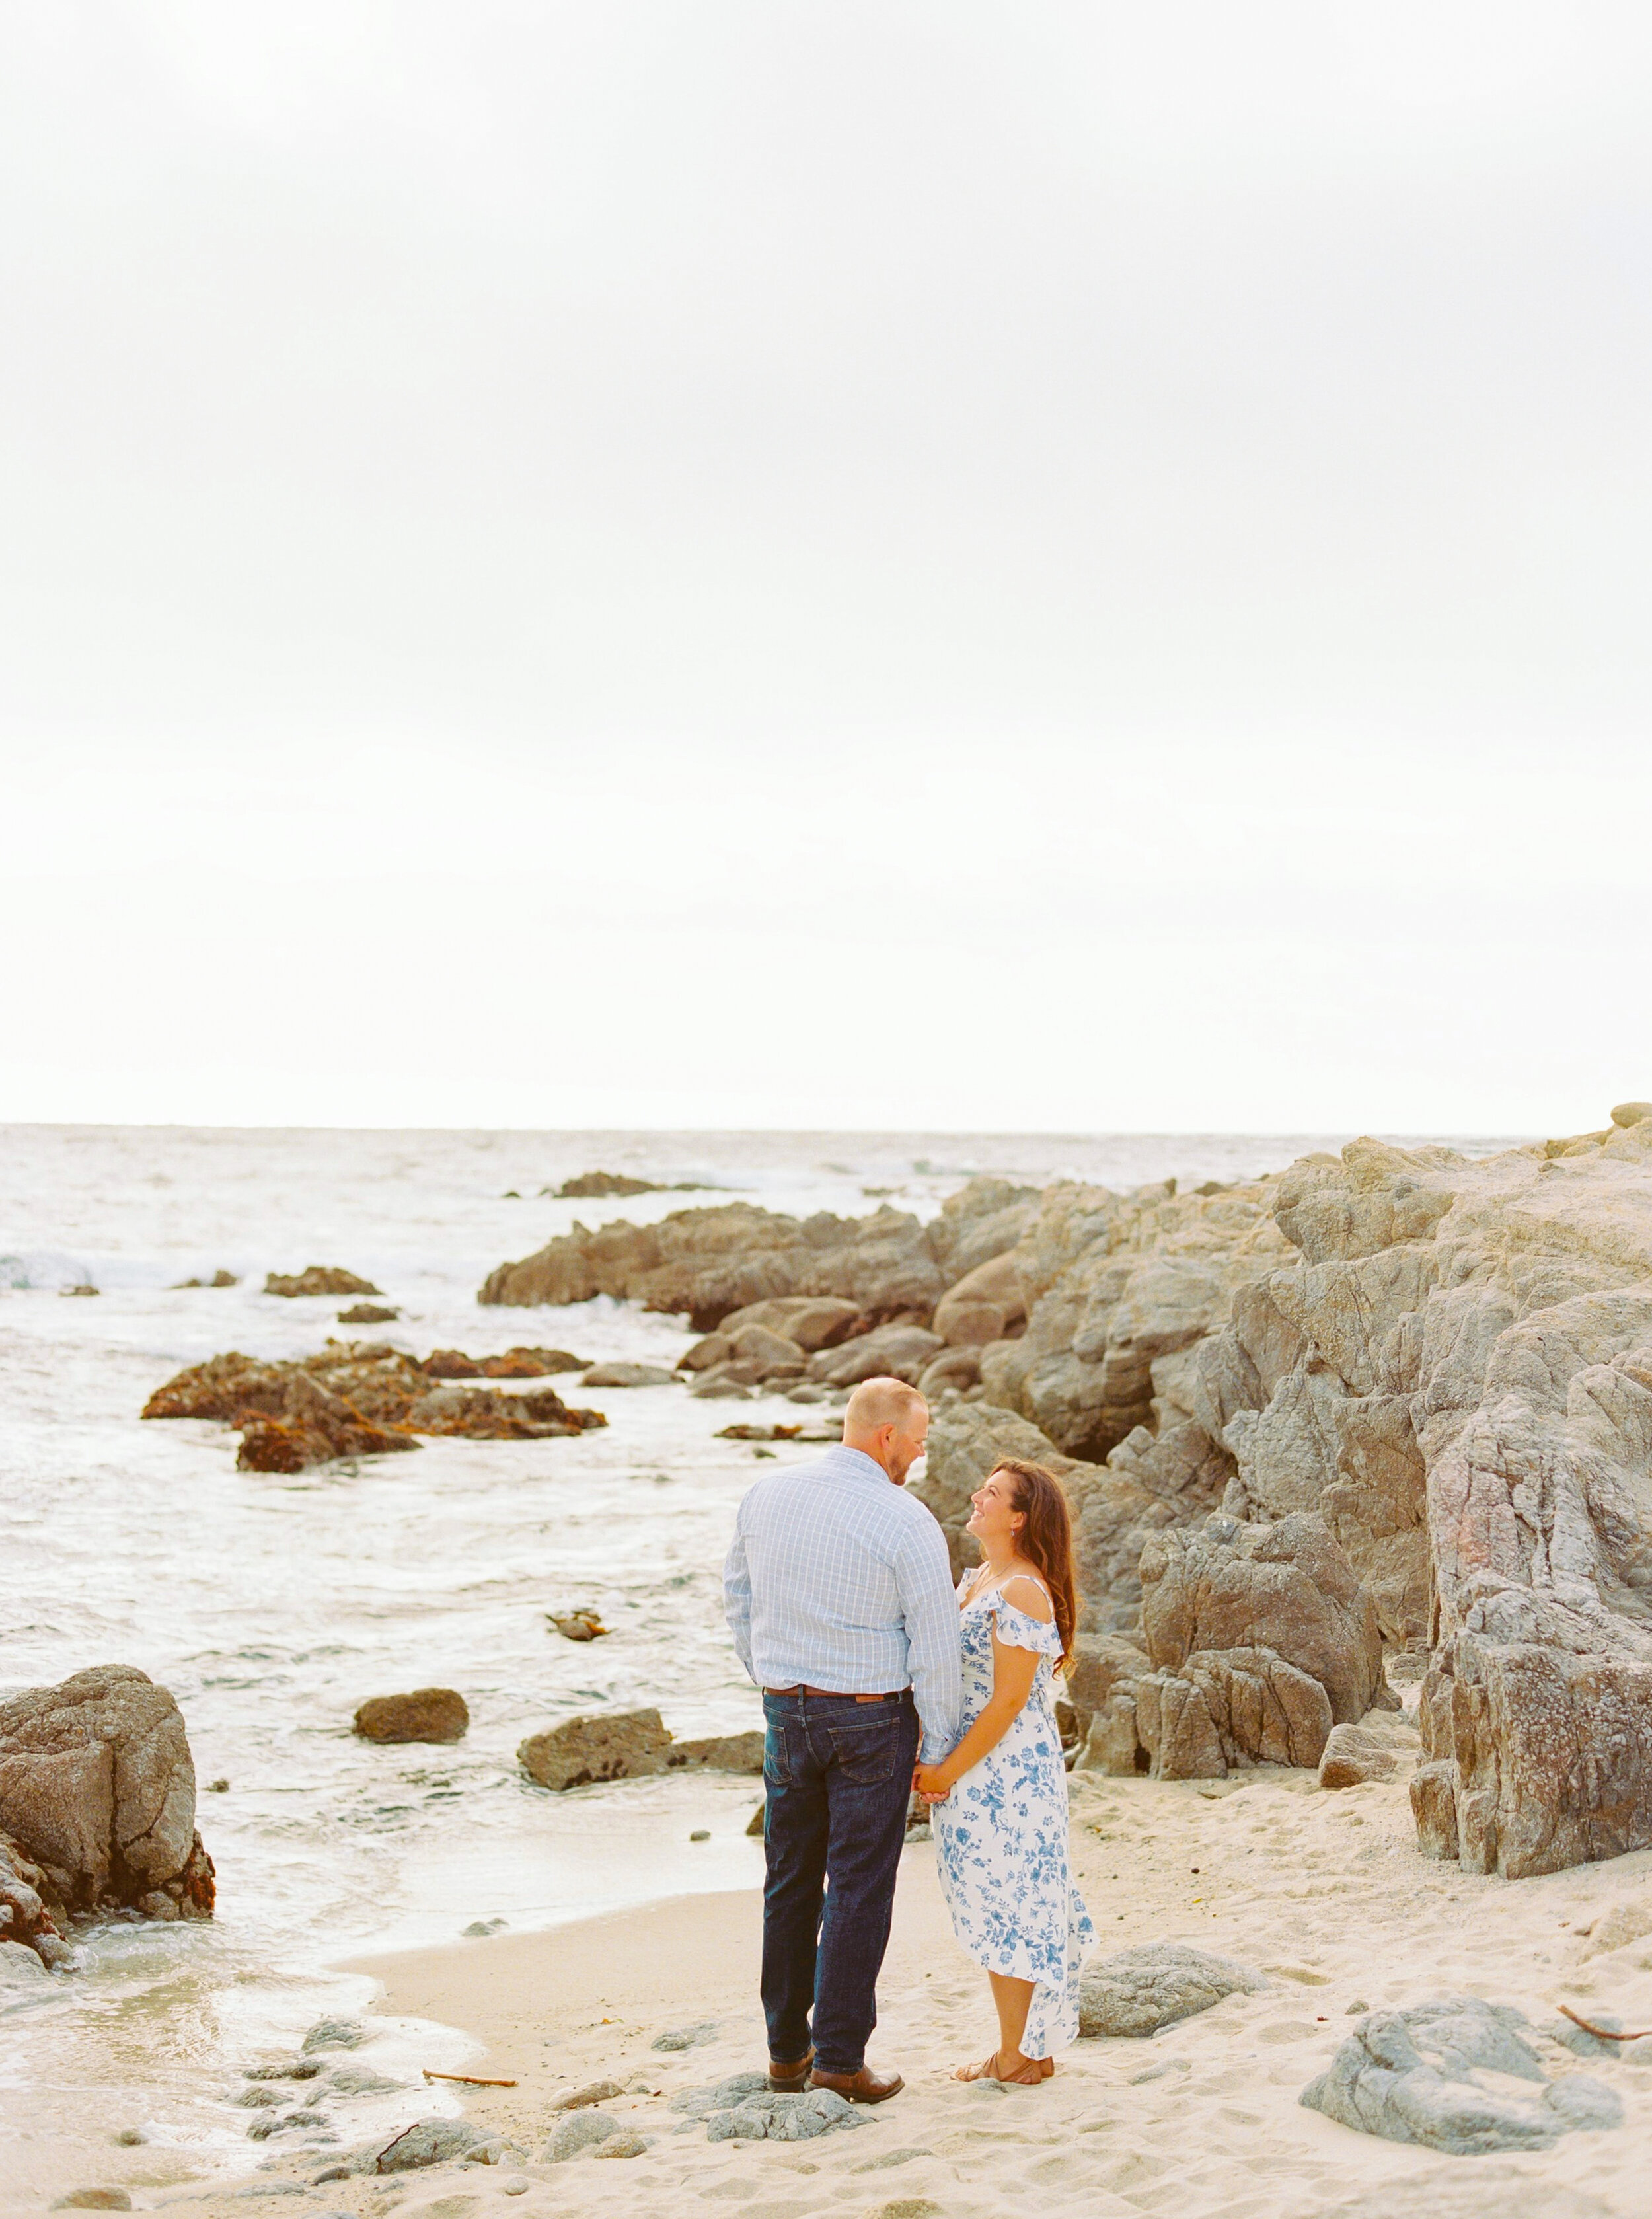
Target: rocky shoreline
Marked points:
1408	1385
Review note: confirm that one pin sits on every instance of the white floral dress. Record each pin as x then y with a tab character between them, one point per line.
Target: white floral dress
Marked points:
1001	1834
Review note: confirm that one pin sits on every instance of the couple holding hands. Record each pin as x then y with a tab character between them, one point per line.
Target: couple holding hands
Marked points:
878	1676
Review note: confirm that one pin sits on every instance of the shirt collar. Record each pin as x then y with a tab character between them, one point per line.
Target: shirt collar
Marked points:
857	1464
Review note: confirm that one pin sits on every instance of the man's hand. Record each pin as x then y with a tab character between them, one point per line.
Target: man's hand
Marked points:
931	1781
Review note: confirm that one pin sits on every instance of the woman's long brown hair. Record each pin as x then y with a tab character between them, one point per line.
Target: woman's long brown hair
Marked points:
1046	1539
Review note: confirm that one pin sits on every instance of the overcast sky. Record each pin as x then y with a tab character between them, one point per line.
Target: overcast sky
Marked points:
910	565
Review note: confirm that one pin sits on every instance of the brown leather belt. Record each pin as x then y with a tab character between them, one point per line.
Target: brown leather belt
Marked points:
837	1695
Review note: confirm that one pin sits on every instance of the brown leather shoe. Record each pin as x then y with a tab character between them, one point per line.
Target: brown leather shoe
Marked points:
865	2086
789	2079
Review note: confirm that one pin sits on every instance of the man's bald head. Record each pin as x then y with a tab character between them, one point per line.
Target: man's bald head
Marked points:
889	1421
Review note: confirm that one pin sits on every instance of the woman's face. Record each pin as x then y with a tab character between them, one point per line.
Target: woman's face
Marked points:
994	1519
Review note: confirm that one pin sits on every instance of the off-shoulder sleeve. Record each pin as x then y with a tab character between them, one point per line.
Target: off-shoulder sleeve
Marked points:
1019	1629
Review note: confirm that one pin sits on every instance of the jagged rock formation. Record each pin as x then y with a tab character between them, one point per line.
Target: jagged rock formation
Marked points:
97	1792
1437	1371
364	1398
1447	1361
710	1262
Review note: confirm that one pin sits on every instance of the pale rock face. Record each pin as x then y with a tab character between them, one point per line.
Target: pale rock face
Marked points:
1286	1587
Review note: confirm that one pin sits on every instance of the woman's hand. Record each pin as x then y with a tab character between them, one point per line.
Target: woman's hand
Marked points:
932	1781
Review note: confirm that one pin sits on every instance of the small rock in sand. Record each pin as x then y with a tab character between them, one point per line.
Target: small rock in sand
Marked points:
594	2091
479	1929
427	1714
700	1834
583	2131
1136	1991
429	2141
1353	1755
685	2037
1626	1921
130	2137
94	2199
334	2034
768	2116
626	2143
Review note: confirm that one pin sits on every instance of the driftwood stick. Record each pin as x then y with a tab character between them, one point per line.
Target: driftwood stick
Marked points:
1601	2033
469	2078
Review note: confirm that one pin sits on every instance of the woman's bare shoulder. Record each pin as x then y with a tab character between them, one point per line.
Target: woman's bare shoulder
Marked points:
1024	1593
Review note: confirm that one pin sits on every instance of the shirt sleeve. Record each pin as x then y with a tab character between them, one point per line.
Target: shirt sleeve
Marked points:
736	1599
934	1657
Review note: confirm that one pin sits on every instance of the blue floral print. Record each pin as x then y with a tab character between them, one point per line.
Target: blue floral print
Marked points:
1000	1835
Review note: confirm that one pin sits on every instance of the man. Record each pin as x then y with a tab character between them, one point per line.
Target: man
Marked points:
840	1599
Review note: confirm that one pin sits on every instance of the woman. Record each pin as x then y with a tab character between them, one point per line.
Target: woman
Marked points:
999	1801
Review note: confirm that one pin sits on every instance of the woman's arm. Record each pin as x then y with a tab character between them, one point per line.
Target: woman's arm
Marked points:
1014	1671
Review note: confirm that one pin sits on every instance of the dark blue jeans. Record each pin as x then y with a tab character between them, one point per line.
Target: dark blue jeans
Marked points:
837	1775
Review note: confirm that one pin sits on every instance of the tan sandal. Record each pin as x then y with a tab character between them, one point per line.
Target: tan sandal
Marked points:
987	2069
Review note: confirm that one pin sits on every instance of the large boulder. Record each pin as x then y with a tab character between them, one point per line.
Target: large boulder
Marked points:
899	1352
1286	1587
97	1788
1438	2074
986	1218
811	1323
1259	1639
984	1306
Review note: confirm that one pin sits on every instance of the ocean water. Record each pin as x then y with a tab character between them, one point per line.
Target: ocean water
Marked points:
272	1606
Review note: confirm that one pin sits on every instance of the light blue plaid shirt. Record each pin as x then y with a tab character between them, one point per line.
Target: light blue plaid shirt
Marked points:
837	1578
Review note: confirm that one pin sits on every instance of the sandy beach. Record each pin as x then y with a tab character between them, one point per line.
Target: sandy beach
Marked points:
1324	1893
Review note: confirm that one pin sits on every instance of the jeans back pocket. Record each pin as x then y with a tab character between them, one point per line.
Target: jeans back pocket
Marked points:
868	1750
